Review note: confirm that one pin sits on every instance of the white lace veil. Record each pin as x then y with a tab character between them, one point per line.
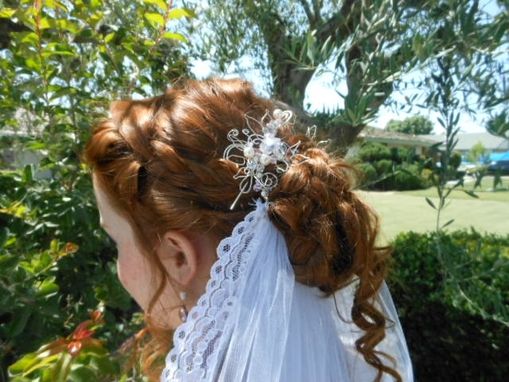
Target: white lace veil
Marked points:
255	323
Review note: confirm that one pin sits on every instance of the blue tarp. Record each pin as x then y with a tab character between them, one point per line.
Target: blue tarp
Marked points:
499	156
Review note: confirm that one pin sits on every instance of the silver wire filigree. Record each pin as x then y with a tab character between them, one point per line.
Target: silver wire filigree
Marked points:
259	151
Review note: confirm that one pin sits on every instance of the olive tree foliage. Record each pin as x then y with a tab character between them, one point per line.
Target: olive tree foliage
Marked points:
499	124
471	65
493	90
370	45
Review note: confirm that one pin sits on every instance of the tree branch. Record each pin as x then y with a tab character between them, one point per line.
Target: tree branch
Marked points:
6	27
339	24
309	14
317	5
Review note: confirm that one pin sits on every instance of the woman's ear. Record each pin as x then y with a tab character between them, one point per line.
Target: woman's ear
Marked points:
179	256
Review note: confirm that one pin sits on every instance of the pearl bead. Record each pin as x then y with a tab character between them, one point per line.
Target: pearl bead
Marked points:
183	314
265	159
249	152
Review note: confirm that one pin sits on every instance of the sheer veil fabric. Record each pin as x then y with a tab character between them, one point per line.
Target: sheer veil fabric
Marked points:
255	323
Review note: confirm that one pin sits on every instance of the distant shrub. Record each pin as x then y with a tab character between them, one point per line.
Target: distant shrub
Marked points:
385	168
408	177
368	172
372	151
455	160
426	175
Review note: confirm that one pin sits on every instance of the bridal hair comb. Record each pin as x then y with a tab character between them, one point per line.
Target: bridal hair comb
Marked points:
258	152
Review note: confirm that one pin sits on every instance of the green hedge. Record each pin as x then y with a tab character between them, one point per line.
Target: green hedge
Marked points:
393	168
454	307
56	265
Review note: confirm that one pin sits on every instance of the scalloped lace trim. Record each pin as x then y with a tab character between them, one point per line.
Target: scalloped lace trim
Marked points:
195	341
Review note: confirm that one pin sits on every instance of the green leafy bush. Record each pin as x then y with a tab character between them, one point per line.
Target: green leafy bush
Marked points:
51	273
383	166
407	177
61	64
455	160
454	308
368	172
372	151
79	357
387	168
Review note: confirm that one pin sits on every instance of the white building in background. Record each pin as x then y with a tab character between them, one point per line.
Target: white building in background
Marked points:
13	153
466	141
419	143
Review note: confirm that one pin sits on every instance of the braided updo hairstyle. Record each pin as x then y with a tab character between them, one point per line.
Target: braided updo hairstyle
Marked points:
160	161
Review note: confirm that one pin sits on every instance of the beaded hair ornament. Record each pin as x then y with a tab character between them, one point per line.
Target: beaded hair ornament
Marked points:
258	152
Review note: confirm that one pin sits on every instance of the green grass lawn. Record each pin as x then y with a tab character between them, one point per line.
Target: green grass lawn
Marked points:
409	211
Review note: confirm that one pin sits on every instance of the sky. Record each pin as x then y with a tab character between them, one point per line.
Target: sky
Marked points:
321	94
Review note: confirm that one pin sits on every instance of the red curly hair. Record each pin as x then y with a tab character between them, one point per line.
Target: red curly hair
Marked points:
160	161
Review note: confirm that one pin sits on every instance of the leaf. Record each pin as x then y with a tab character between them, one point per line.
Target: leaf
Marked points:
30	38
28	174
43	362
85	35
178	13
24	363
62	369
54	4
60	52
7	262
16	209
96	3
66	25
54	245
449	222
82	374
44	23
430	202
20	379
32	64
105	364
155	19
47	287
174	36
20	322
109	37
471	193
158	3
7	13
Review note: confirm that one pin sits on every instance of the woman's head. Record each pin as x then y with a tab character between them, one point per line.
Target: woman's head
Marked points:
157	163
158	167
185	256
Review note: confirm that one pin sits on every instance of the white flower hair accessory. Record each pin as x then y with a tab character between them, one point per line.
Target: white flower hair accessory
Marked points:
258	151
